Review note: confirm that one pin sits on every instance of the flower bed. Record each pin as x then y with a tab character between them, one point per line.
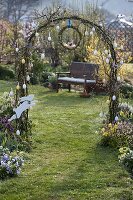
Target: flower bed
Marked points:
10	163
119	135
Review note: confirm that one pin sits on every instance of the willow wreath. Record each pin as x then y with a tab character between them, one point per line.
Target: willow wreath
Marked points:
69	45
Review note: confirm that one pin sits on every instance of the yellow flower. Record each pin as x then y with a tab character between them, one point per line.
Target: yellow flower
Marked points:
109	125
103	129
112	129
121	113
115	126
107	101
123	150
105	134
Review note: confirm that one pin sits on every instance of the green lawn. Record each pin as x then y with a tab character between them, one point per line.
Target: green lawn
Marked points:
67	162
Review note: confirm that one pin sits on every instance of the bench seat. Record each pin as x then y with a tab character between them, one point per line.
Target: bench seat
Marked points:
75	80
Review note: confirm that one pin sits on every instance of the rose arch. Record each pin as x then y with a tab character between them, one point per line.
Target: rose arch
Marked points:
53	21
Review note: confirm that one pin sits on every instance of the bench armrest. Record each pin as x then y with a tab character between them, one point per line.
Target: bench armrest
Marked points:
59	73
84	75
62	72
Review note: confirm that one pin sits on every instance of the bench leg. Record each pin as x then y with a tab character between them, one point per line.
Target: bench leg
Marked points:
85	87
69	87
57	88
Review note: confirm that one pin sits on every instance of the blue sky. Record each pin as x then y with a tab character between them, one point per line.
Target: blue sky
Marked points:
114	6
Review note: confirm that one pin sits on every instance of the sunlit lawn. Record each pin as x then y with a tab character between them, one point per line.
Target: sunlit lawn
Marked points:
67	162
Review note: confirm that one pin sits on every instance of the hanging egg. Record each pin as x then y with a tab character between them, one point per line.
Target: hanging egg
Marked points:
91	33
106	51
109	55
113	97
121	62
28	78
69	23
95	52
21	31
100	24
24	86
63	23
116	118
122	47
108	101
11	94
42	56
36	34
57	27
86	33
93	29
17	49
107	60
31	65
23	61
18	132
49	38
104	80
118	78
115	45
18	87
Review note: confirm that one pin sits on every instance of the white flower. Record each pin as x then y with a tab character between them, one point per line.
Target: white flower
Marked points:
93	29
109	56
11	94
28	78
106	51
101	114
42	56
95	52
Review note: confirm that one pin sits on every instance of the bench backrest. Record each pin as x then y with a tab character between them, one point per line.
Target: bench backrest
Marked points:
79	69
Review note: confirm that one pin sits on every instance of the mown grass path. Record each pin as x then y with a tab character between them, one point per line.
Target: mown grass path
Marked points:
67	162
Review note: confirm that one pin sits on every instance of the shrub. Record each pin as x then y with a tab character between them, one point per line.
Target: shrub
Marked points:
125	112
8	130
6	73
126	159
127	90
10	164
119	133
45	75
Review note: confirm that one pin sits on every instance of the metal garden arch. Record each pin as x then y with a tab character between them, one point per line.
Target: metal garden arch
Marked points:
53	20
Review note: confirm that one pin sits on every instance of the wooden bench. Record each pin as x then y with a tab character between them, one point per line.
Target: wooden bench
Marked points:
81	73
